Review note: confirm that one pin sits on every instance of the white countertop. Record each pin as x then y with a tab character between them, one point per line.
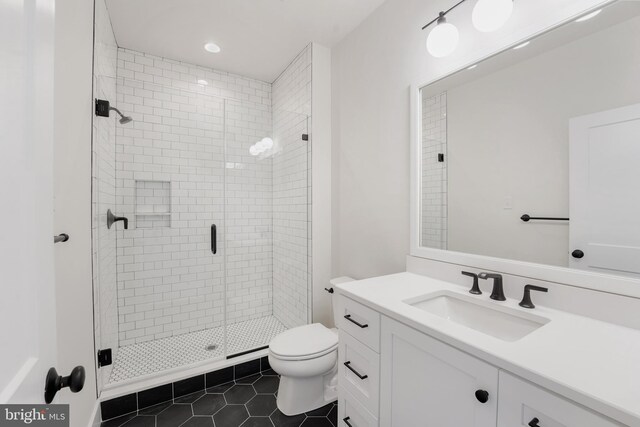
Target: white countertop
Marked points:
594	363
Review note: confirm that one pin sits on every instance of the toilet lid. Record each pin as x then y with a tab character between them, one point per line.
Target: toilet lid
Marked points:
304	341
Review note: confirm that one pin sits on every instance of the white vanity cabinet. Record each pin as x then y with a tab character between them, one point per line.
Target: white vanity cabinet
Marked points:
425	382
403	377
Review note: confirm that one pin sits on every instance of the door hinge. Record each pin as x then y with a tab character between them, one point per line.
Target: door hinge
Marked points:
440	157
305	136
104	357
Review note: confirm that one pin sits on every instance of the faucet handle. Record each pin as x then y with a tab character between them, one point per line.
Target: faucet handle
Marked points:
475	289
526	298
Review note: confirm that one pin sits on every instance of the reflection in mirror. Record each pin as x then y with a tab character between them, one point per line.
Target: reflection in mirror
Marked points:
551	130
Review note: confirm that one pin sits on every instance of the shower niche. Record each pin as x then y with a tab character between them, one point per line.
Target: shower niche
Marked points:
153	204
217	258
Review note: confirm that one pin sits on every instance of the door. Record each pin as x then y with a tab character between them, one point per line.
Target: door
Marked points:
425	382
27	299
604	188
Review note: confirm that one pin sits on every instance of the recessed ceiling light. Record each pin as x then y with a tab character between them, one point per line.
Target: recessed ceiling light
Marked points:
203	82
472	67
212	47
589	16
520	46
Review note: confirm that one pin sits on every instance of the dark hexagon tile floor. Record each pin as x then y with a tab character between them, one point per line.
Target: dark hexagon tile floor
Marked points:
246	402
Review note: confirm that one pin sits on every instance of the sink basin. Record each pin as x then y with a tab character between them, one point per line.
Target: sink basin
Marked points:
488	317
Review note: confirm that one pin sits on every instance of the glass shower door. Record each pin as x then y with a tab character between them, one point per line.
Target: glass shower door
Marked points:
266	203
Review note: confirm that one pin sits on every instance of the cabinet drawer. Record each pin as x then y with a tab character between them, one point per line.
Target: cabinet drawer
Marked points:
359	371
360	321
355	414
519	402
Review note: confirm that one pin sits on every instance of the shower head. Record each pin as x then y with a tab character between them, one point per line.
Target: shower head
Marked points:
123	119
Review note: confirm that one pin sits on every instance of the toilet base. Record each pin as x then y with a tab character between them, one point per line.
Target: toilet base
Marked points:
299	395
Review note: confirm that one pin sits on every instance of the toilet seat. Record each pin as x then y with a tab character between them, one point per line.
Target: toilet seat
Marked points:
304	343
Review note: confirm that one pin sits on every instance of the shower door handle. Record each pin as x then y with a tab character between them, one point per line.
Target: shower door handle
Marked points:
214	239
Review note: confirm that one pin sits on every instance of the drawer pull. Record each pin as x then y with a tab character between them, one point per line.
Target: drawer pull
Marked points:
534	423
348	317
348	365
346	421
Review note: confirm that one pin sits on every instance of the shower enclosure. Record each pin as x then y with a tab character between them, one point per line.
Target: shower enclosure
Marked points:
213	175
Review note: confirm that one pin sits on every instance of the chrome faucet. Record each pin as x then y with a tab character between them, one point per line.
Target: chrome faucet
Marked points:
498	292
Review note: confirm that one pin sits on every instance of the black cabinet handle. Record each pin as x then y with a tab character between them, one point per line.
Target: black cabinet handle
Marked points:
348	317
577	254
348	365
346	421
214	239
55	382
534	423
482	396
111	218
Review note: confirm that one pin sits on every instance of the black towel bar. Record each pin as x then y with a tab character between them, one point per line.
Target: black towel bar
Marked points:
527	218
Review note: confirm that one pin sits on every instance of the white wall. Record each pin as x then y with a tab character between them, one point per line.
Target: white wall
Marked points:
73	109
322	210
372	70
509	139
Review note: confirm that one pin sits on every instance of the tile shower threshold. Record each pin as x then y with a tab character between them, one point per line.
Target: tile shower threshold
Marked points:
144	362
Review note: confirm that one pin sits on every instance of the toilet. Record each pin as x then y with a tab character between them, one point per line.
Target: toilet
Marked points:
306	358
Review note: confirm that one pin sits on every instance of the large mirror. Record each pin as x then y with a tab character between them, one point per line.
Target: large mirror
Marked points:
534	154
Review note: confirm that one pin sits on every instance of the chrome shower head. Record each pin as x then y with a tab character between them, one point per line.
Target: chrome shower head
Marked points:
123	119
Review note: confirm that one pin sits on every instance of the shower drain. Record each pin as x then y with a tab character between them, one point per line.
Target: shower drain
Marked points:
211	347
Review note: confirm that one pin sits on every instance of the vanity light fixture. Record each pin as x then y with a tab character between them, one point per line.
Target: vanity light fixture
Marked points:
443	39
491	15
212	47
589	16
488	15
520	46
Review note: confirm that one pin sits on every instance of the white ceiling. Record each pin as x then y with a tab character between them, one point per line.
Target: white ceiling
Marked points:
259	38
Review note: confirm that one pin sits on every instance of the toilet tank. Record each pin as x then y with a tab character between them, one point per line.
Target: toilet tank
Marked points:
333	282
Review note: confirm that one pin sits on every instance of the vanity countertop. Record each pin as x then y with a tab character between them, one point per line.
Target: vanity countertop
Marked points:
594	363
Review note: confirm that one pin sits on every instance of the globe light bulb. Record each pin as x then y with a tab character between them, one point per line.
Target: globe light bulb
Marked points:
267	143
491	15
254	150
443	39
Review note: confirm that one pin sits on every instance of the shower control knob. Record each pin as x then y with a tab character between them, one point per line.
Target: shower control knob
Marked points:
482	396
577	254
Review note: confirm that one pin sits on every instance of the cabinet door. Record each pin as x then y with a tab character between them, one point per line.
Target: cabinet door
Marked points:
523	404
427	383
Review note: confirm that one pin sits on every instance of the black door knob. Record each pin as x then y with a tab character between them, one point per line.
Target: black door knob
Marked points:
55	382
577	254
482	396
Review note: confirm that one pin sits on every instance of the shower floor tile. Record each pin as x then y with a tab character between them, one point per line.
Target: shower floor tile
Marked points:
167	353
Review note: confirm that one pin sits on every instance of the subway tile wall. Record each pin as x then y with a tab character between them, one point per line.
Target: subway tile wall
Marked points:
169	281
292	192
103	189
434	172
